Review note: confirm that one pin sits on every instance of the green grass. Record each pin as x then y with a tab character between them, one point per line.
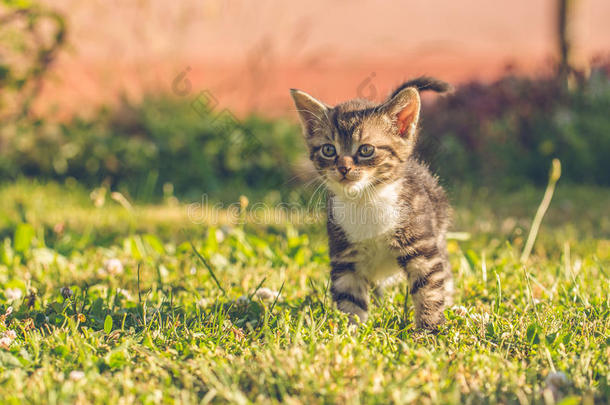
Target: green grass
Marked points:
161	330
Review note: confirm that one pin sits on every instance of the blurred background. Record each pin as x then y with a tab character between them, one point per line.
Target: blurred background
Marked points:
179	99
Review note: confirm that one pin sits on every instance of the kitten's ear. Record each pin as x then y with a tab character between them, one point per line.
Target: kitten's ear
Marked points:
311	111
404	107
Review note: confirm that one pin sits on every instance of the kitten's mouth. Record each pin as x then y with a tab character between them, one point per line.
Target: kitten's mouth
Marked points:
347	180
348	186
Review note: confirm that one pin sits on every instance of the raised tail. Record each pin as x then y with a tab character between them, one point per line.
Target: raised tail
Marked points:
424	83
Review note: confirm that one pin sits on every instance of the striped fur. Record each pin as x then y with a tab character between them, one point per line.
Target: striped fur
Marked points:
387	215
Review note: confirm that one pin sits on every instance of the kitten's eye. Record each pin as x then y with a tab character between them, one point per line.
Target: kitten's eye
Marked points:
366	150
328	150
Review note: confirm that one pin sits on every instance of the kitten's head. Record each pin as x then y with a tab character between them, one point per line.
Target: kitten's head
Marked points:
357	144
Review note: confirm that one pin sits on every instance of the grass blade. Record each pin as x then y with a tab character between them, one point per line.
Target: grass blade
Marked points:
277	297
205	262
544	205
256	289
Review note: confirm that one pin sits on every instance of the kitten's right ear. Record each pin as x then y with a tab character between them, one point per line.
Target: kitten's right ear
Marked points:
403	107
311	111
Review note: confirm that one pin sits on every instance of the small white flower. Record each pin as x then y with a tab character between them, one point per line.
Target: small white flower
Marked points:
193	270
243	300
76	375
7	339
483	318
157	395
220	235
267	293
8	311
124	293
13	294
10	334
113	266
66	292
5	342
460	310
203	302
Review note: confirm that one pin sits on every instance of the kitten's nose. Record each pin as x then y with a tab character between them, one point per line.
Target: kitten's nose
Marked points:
344	169
344	164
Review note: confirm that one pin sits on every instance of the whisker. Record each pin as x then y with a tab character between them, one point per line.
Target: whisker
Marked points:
322	183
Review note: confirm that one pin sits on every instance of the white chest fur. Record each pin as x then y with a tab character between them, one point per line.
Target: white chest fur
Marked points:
368	215
368	223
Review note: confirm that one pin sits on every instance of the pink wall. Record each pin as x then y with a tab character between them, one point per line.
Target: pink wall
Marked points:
249	53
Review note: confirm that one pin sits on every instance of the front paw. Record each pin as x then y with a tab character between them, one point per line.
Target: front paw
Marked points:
357	319
356	314
430	323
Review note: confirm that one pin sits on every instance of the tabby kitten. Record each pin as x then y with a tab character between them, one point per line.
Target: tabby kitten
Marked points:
386	213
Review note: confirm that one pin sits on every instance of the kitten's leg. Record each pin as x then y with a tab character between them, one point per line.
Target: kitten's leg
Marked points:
429	276
349	290
442	247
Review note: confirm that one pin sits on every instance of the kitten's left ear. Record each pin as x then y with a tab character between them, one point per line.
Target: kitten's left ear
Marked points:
404	109
311	111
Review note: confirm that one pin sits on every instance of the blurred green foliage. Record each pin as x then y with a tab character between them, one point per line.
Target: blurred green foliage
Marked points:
159	145
502	134
506	133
